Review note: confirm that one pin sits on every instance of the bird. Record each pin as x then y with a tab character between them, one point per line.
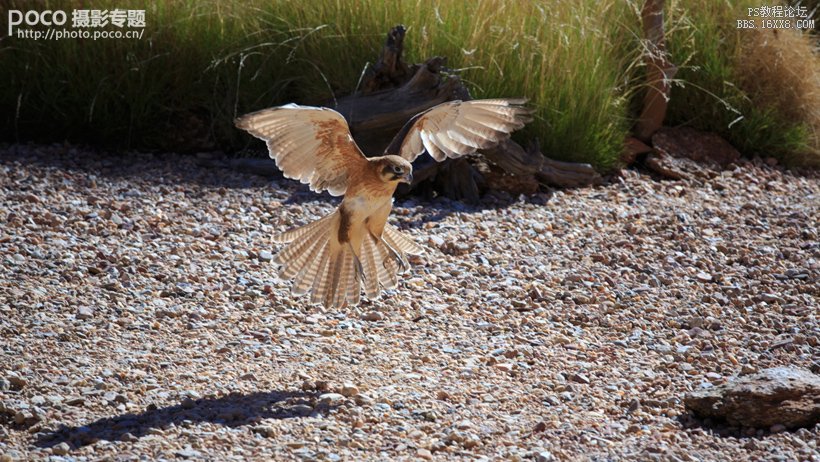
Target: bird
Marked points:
355	247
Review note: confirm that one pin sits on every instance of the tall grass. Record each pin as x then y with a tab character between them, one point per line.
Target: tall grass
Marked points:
760	89
201	63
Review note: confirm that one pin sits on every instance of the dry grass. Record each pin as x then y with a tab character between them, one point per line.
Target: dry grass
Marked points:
758	93
782	69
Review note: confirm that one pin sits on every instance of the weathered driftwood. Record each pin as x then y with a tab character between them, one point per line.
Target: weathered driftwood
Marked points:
392	92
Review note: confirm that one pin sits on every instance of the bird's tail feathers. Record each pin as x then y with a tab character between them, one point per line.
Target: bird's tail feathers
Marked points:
326	269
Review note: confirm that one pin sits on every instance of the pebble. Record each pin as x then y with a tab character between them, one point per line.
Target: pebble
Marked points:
544	456
425	454
704	277
331	398
16	381
563	326
372	316
61	449
349	389
85	312
436	241
188	453
265	430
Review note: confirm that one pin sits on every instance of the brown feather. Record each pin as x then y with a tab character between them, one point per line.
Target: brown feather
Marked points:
309	144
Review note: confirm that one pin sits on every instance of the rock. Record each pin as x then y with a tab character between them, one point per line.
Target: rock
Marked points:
633	147
634	405
265	255
703	276
349	389
188	453
544	456
777	428
372	316
579	378
85	312
693	144
436	241
777	396
265	430
61	449
331	398
505	367
301	409
16	381
669	167
424	454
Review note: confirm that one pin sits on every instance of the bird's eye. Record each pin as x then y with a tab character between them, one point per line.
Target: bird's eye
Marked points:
397	169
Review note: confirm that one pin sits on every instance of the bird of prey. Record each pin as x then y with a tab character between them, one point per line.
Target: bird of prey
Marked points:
331	258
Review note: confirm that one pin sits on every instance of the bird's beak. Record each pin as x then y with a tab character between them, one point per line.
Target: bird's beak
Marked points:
407	178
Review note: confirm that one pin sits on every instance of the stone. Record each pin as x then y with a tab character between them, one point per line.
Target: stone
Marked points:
16	381
703	147
349	389
505	367
75	401
266	431
61	449
265	255
436	241
703	276
188	453
301	409
778	396
544	456
372	316
633	147
424	454
331	398
85	312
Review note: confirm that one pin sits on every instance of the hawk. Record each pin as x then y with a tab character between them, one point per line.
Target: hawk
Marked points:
331	258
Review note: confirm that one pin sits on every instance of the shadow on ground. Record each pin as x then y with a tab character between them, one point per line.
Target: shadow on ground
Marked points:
175	171
720	428
233	410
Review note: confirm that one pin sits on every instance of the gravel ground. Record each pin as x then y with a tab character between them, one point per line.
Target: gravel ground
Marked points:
140	318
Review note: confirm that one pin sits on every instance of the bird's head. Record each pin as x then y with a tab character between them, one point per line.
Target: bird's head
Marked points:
395	169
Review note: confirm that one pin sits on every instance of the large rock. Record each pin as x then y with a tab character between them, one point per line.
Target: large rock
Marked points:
684	153
778	396
703	147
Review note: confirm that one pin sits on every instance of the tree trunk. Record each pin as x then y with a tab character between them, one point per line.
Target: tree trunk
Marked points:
659	74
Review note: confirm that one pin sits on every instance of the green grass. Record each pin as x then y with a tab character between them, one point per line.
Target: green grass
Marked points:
200	64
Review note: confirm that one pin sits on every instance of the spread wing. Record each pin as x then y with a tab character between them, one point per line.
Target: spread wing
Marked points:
309	144
458	128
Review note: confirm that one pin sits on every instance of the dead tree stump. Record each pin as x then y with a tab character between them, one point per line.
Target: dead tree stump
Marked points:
392	92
